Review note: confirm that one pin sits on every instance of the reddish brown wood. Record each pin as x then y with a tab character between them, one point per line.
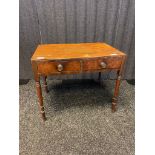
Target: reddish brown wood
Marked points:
45	83
51	59
116	91
114	99
38	89
95	64
39	93
50	67
74	51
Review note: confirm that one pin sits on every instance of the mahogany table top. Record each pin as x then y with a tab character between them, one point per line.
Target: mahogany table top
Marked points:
74	51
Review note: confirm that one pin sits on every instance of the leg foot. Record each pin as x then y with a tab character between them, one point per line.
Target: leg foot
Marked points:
114	104
114	99
113	107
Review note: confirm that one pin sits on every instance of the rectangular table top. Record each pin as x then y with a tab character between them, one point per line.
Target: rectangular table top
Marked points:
74	51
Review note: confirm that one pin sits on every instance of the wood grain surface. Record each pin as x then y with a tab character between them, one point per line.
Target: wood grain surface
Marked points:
74	51
51	59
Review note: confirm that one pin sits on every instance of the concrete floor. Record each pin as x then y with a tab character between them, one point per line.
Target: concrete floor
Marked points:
79	119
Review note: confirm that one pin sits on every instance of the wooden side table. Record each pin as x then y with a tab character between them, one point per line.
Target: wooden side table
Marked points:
56	59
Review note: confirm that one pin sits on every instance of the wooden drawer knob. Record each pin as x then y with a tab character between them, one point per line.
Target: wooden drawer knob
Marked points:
103	64
60	67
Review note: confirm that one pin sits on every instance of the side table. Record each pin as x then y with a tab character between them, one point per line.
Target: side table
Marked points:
56	59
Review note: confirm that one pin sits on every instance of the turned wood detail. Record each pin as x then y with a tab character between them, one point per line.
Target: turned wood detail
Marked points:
114	100
116	91
45	84
41	107
59	59
117	84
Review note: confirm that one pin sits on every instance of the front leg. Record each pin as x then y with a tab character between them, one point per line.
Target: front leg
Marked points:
39	93
45	83
116	91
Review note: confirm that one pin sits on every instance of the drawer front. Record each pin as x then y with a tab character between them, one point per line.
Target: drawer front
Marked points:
59	67
102	63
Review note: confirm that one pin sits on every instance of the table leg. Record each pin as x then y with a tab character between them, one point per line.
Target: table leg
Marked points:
45	83
39	93
116	91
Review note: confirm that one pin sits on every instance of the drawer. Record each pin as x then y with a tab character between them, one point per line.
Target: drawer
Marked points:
102	63
58	67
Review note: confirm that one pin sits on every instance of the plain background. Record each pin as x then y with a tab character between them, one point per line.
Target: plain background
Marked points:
145	77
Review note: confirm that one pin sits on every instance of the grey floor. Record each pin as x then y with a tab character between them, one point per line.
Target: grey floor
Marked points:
79	119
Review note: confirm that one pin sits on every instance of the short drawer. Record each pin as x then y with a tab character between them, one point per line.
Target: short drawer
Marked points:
102	63
58	67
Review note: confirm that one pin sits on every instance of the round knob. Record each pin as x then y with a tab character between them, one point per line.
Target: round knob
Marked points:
103	64
60	67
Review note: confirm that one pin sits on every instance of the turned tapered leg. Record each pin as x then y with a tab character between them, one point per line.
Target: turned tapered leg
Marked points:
41	107
116	91
45	84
